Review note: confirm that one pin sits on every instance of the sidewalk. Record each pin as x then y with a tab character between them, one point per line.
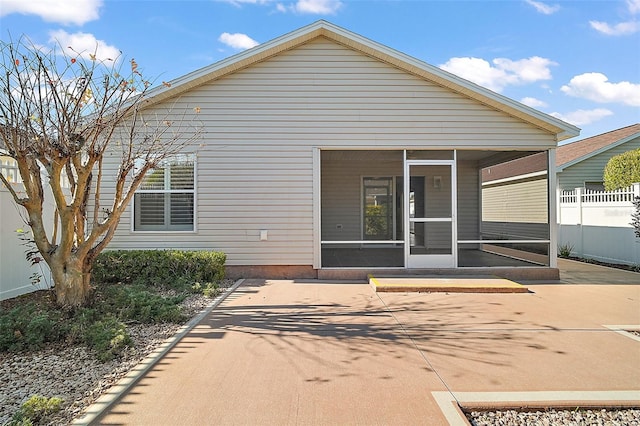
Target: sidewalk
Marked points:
319	353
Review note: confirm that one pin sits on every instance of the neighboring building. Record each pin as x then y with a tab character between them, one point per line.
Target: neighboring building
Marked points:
9	169
579	164
513	203
326	154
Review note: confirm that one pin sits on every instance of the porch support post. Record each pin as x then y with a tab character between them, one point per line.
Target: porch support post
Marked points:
317	173
552	215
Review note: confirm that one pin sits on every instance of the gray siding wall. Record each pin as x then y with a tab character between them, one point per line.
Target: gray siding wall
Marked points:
254	170
592	169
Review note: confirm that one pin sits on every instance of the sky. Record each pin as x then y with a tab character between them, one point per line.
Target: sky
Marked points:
575	60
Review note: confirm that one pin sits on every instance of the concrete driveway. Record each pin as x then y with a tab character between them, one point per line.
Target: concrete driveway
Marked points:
279	352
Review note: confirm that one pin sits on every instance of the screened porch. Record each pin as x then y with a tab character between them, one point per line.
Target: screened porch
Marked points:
368	221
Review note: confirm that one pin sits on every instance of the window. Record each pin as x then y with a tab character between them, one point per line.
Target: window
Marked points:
165	199
10	169
594	186
377	208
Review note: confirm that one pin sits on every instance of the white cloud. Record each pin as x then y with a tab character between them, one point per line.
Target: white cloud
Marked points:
84	44
633	6
622	28
533	102
544	8
237	40
582	117
318	7
503	72
597	87
76	12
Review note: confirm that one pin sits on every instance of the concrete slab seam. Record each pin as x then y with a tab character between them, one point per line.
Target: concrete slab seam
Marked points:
624	330
106	400
449	392
455	416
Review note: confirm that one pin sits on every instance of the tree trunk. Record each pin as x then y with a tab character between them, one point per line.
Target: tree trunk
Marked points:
72	283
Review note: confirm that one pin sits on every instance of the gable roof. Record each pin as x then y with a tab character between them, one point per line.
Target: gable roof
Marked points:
559	128
575	152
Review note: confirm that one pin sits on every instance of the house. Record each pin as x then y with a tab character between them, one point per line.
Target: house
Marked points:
513	204
582	163
513	189
327	155
579	164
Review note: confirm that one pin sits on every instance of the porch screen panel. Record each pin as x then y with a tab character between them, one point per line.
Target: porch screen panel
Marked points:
360	208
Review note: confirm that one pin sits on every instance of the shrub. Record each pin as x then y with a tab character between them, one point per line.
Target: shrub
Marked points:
138	303
166	269
150	287
35	410
108	337
622	170
30	327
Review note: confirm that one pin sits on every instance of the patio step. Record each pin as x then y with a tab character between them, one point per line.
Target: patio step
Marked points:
449	284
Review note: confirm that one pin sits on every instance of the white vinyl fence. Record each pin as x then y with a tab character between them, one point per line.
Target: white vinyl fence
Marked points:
597	224
15	272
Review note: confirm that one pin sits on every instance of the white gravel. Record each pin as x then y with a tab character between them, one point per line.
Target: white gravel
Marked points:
73	372
622	417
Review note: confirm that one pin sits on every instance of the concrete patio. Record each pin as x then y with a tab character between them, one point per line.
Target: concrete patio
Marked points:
319	352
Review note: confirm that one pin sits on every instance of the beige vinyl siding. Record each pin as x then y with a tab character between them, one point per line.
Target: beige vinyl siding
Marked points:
468	201
523	201
592	169
254	170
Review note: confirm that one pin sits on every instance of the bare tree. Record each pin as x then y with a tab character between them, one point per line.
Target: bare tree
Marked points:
61	112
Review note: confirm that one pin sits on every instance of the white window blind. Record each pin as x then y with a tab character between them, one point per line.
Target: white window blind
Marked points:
165	199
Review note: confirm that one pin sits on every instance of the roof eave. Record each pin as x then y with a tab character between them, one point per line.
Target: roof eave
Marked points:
598	151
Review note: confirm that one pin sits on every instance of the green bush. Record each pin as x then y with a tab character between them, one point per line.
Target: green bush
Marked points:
622	170
132	286
166	269
108	337
138	303
35	410
29	327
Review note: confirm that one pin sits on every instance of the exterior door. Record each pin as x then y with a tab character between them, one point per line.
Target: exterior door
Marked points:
430	231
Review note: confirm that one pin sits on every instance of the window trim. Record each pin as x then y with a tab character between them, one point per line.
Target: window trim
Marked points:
193	191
